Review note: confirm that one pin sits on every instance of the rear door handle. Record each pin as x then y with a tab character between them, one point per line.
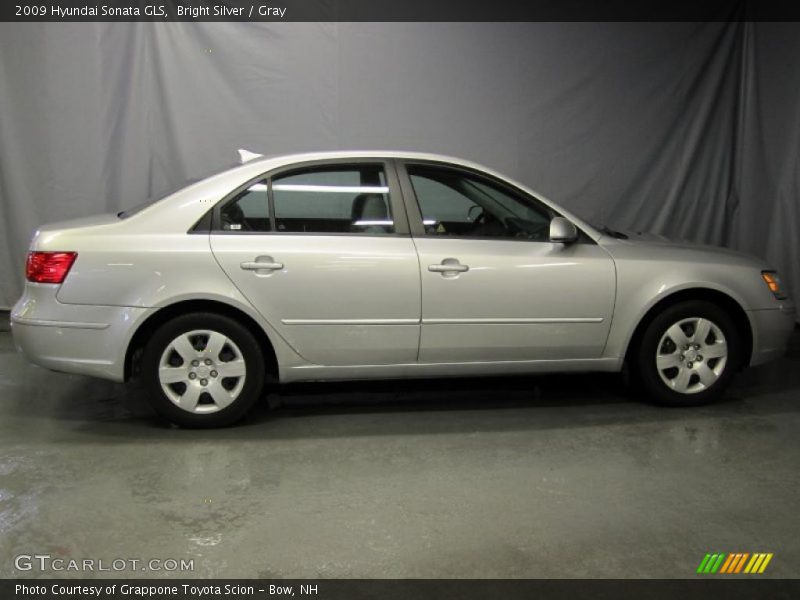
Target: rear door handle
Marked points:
262	263
448	266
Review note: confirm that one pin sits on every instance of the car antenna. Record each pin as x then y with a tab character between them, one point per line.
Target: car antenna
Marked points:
246	155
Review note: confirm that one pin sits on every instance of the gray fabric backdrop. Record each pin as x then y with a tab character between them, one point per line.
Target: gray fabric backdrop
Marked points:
692	130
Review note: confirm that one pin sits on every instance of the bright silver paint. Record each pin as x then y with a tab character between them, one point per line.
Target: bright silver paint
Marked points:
361	306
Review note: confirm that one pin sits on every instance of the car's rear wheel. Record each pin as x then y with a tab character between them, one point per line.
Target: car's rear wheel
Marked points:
203	370
688	354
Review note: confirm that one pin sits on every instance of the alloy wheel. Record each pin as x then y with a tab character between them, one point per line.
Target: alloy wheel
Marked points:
202	371
691	355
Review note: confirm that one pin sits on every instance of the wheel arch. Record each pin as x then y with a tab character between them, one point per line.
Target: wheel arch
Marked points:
717	297
145	329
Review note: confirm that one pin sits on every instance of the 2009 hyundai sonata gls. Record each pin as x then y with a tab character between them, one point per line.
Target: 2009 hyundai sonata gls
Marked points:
355	265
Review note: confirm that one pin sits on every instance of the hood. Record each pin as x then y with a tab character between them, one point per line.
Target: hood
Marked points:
647	236
641	241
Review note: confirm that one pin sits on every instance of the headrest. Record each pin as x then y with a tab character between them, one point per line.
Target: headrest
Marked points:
369	206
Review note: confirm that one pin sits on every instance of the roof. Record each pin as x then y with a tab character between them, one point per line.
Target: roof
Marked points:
340	154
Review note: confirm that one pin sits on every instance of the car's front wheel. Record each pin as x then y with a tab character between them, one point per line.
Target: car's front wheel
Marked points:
688	354
203	370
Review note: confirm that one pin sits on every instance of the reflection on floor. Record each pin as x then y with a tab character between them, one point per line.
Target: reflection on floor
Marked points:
559	476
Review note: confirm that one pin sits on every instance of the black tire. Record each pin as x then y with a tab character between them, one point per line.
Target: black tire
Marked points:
240	345
648	376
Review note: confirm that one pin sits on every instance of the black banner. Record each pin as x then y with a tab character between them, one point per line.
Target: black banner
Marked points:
412	589
398	10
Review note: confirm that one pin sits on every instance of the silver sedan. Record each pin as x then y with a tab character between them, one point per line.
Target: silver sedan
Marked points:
361	265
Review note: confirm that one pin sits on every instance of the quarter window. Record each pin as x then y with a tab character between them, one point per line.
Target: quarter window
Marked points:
350	199
248	211
458	203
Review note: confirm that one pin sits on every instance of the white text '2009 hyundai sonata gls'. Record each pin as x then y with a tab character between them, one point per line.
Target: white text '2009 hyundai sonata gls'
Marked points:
359	265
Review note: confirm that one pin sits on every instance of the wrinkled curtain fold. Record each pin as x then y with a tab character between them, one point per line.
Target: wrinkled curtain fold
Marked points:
687	129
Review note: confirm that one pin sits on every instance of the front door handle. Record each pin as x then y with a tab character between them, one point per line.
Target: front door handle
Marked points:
262	263
448	267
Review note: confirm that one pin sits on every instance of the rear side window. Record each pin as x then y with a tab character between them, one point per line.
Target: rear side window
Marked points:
350	199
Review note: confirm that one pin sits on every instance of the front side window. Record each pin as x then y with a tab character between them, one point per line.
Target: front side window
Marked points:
350	199
458	203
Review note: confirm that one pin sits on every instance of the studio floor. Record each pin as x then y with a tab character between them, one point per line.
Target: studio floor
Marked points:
491	478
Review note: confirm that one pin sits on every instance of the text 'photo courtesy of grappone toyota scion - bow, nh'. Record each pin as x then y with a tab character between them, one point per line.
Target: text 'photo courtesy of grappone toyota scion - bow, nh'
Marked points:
365	265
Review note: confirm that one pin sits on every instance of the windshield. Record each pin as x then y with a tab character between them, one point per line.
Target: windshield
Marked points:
124	214
607	230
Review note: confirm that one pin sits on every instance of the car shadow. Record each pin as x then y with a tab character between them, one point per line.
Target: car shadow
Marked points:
93	411
424	407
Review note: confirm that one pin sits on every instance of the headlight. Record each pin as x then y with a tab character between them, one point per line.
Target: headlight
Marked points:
774	284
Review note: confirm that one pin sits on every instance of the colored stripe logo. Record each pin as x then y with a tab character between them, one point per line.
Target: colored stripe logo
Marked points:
732	563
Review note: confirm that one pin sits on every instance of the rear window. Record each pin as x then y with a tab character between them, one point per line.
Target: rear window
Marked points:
128	212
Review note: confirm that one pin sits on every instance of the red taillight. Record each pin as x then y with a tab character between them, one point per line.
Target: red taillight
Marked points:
49	267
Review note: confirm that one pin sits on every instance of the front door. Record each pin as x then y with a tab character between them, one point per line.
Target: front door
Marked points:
494	288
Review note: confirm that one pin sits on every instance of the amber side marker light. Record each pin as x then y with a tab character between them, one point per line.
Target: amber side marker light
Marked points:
773	283
49	267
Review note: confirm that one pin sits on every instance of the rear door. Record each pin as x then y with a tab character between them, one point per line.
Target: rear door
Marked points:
494	288
323	252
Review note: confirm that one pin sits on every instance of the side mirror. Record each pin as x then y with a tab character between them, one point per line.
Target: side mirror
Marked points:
562	230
